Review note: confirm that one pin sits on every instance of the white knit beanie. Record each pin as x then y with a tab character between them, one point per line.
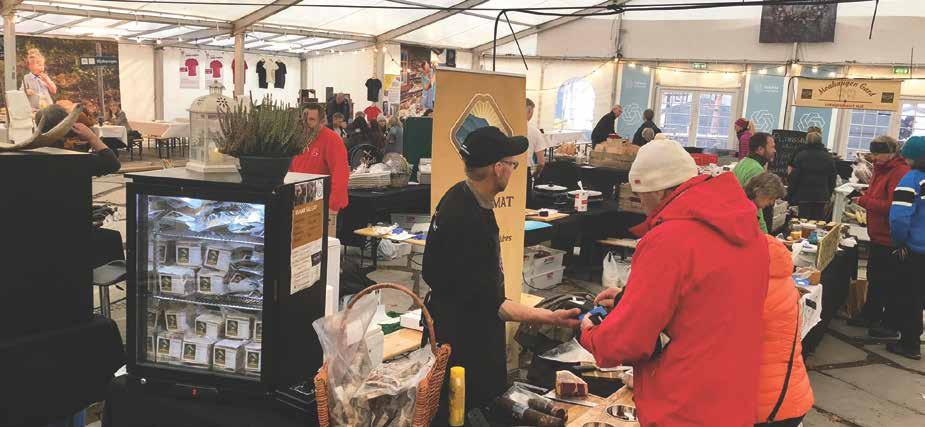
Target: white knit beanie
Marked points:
661	164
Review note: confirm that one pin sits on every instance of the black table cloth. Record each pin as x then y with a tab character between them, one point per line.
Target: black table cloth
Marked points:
371	206
54	374
132	404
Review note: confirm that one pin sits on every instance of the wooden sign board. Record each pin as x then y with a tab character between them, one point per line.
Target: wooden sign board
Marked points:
855	94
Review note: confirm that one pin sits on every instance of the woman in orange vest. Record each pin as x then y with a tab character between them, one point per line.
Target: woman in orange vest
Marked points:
784	392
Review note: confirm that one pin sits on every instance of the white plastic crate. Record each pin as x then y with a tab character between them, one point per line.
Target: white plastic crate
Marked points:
545	280
534	265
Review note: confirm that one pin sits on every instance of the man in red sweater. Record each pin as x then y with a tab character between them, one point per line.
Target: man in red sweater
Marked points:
700	275
882	266
325	154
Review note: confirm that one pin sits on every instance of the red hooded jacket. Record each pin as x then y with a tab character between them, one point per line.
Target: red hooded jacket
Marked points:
879	197
327	155
700	273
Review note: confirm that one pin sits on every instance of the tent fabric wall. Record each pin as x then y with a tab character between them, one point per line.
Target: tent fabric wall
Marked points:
735	40
136	81
545	77
177	101
345	73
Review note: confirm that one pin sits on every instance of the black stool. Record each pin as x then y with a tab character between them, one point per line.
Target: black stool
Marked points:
105	276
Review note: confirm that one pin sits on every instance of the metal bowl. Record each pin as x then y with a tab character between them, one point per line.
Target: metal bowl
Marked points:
623	412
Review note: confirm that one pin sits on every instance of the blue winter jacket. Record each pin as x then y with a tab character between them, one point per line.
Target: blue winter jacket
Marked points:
907	215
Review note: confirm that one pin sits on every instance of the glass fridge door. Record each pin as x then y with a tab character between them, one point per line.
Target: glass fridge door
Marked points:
203	294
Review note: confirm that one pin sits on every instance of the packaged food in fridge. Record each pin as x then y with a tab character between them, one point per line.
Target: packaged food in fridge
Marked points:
169	347
176	280
197	351
210	325
254	359
178	319
238	325
228	355
210	282
217	257
189	253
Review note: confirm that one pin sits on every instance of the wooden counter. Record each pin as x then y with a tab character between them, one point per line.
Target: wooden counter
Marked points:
370	232
580	415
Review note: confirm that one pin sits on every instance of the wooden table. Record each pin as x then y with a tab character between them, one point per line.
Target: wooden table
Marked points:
580	415
534	215
623	244
371	232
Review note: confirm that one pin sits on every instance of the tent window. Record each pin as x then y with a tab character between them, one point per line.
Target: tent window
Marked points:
575	105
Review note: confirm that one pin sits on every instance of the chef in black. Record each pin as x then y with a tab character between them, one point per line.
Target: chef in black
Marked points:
462	265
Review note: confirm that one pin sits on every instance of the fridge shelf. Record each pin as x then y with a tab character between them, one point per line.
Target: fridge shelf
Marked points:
238	302
215	237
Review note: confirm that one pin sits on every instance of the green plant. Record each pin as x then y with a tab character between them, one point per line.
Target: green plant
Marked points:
270	129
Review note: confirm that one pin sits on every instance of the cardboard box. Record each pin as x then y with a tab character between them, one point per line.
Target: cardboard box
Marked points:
177	320
169	348
412	320
209	325
253	358
175	280
217	257
210	282
238	327
197	351
189	253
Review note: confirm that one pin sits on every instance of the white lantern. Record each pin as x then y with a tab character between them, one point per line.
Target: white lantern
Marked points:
204	127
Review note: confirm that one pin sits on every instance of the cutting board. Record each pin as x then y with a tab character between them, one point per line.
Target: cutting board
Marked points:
400	342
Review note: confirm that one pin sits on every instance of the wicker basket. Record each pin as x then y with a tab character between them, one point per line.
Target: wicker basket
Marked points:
399	180
428	394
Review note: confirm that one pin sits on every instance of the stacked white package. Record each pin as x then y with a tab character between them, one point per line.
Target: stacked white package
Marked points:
228	355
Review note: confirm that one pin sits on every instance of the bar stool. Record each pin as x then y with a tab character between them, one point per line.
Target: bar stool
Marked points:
105	276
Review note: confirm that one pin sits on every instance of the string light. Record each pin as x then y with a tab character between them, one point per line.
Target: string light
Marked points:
815	69
645	68
763	71
632	64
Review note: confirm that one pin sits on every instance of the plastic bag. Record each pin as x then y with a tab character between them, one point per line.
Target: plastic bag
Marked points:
569	352
359	394
616	272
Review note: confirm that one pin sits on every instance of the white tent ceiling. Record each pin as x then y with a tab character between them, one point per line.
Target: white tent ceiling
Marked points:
317	25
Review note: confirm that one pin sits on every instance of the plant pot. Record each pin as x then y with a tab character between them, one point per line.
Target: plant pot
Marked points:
259	169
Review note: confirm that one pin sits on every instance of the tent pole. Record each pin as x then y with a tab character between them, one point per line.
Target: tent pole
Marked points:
9	49
239	65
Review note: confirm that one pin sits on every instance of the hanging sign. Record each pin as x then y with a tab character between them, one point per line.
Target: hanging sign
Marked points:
98	61
857	94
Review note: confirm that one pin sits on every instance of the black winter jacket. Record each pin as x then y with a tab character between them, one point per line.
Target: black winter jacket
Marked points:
637	137
813	175
605	127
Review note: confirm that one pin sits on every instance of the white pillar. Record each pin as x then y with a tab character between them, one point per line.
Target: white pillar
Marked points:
9	49
303	71
239	65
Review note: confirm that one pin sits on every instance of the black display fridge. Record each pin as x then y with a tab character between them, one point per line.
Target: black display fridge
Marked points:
225	279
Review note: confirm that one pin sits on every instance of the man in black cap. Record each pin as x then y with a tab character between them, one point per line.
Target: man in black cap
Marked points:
462	265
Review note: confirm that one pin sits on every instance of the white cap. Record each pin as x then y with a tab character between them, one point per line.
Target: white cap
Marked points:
661	164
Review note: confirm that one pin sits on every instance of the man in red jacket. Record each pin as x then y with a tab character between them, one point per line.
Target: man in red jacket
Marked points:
700	275
325	154
882	267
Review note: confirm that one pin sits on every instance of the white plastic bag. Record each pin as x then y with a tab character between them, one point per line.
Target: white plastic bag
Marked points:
616	272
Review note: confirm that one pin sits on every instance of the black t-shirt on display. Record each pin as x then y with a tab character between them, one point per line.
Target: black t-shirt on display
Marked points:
462	265
261	75
280	81
373	86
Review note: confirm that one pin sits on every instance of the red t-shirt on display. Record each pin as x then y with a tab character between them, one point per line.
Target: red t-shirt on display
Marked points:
191	66
233	73
327	156
372	113
216	67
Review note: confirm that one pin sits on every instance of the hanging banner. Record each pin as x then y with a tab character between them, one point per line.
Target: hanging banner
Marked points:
634	98
856	94
470	100
392	85
765	93
189	71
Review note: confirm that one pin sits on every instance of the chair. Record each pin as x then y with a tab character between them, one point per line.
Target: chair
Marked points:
105	276
132	145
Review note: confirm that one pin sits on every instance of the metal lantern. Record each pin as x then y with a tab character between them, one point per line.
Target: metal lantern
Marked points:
204	127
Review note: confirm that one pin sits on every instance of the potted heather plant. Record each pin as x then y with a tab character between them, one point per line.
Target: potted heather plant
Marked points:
264	138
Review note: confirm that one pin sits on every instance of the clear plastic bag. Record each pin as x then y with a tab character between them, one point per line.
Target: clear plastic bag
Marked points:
358	394
569	352
616	271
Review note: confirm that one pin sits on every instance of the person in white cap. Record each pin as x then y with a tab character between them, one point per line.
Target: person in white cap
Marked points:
700	276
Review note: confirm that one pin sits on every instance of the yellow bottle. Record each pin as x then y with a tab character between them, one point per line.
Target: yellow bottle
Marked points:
457	396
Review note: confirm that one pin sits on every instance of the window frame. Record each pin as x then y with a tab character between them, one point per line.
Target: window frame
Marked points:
696	92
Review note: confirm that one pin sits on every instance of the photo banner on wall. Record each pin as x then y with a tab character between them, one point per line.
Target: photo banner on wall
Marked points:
470	100
855	94
635	85
190	71
418	77
50	70
765	93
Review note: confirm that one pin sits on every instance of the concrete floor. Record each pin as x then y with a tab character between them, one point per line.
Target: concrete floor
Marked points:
855	381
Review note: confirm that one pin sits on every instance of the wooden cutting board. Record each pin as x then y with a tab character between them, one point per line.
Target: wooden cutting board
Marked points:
400	342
